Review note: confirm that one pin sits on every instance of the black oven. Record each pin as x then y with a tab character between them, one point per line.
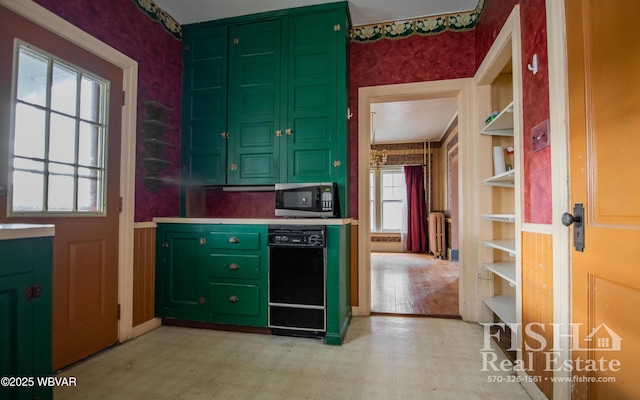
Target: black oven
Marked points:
297	287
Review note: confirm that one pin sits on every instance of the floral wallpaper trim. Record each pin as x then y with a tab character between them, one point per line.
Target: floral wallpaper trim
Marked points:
424	26
156	13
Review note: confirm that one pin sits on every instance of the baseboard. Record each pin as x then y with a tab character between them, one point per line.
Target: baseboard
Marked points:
146	327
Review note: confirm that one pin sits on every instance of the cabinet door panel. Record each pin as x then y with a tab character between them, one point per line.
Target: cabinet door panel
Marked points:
254	98
205	106
183	277
311	109
16	327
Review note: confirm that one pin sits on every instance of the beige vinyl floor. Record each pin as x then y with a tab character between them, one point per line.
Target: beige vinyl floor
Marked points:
383	357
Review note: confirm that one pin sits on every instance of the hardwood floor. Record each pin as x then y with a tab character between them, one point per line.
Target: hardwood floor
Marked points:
414	284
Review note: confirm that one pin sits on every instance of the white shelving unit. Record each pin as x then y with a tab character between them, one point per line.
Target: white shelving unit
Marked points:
502	263
503	306
508	218
505	179
502	124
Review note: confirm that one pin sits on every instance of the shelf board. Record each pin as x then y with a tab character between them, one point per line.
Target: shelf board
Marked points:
506	245
504	306
504	269
158	141
502	124
509	218
505	179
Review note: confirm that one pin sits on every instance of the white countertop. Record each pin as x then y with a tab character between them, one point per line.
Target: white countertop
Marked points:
24	231
255	221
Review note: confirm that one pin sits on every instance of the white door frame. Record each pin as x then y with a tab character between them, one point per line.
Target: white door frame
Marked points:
464	90
558	118
50	21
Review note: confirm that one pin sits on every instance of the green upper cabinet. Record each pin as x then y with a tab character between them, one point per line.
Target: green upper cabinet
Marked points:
311	106
204	106
275	86
255	87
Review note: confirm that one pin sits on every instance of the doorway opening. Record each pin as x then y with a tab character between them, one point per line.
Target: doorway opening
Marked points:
413	144
368	252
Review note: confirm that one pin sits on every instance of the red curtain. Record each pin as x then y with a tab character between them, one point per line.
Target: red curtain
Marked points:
416	210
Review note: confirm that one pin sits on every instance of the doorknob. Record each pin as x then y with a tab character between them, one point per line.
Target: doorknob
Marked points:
577	220
568	219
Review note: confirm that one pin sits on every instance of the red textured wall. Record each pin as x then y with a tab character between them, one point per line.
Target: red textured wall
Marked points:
219	204
535	95
449	55
120	24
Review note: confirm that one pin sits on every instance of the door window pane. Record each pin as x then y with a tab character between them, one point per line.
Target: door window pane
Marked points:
59	136
64	89
32	78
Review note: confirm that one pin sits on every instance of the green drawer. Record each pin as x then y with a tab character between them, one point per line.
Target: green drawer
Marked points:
234	240
233	299
233	266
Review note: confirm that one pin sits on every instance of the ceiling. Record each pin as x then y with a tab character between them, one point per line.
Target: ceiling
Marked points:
363	12
413	121
400	121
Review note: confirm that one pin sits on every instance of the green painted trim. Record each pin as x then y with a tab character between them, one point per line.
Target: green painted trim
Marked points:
424	26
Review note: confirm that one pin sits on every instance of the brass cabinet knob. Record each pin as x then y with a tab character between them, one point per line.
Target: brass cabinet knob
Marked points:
233	299
202	300
234	239
234	167
288	131
234	267
278	133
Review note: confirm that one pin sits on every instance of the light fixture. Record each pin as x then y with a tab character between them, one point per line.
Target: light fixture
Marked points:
376	159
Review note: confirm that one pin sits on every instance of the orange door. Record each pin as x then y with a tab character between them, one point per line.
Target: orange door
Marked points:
604	121
85	265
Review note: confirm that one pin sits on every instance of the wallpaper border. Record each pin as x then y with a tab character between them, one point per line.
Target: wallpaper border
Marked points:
424	26
158	14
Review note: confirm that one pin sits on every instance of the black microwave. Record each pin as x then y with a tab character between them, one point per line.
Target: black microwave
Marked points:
310	200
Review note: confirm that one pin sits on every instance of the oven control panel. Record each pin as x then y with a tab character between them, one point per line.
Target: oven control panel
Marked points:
296	236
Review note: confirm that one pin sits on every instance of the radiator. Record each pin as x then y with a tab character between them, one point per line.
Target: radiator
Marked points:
436	234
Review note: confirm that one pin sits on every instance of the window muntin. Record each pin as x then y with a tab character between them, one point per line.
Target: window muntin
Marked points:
58	159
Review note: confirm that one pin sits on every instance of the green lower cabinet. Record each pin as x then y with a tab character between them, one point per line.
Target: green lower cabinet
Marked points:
338	283
180	282
25	316
212	273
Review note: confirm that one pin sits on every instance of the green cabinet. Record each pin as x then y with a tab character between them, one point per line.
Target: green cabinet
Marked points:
212	273
236	265
25	314
204	107
265	98
180	280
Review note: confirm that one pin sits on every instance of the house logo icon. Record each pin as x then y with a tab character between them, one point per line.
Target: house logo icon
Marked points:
603	338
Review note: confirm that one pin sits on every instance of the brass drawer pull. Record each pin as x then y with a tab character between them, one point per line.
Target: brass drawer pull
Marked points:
234	239
233	299
234	267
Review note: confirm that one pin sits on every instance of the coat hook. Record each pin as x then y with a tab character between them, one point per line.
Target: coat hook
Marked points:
533	67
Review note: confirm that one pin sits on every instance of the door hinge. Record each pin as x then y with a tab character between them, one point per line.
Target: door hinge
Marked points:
119	311
124	96
225	135
336	27
120	204
236	40
32	292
